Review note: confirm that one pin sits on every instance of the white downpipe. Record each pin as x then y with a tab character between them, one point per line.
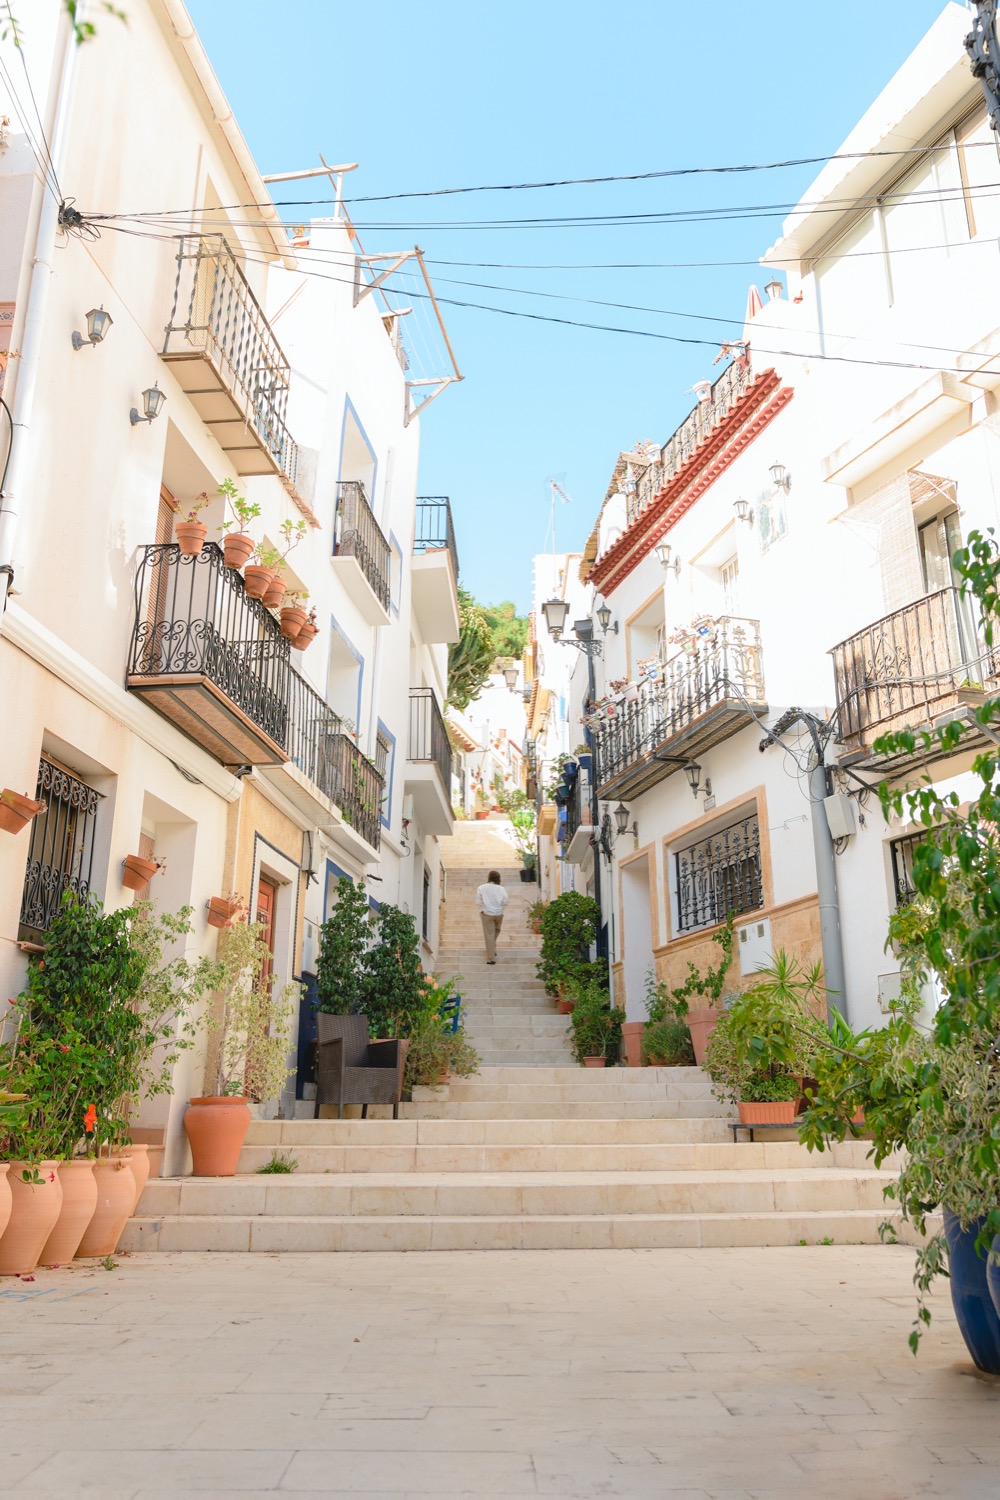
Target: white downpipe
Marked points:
34	320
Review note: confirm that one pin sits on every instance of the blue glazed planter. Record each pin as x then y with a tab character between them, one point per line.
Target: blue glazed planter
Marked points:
993	1275
978	1319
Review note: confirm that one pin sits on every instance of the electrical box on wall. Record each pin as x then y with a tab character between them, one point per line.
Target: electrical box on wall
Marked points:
839	815
754	944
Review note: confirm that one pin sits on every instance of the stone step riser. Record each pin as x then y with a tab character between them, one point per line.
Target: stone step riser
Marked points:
334	1196
694	1158
644	1109
291	1134
608	1232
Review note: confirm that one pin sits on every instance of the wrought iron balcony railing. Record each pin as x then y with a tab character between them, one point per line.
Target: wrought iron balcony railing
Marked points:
196	627
324	751
717	671
909	666
216	319
215	662
435	530
696	427
428	739
720	874
357	534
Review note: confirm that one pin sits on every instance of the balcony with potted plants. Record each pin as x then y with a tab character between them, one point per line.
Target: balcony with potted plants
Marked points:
428	763
225	356
435	571
361	553
708	690
924	665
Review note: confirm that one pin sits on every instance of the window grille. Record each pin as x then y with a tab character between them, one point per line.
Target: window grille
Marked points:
718	875
61	855
902	852
383	747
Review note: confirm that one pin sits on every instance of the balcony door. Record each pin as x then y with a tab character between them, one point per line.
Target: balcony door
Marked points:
940	538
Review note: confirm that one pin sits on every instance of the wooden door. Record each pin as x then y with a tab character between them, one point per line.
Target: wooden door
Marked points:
267	897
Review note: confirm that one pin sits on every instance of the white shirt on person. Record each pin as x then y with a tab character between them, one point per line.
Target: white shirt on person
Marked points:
491	899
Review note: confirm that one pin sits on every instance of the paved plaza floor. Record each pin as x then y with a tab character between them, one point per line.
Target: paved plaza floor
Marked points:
648	1373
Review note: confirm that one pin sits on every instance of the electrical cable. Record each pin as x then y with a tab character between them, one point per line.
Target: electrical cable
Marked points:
33	145
10	445
34	103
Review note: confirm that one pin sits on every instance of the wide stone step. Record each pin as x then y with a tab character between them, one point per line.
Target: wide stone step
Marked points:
326	1233
589	1109
291	1134
748	1190
542	1157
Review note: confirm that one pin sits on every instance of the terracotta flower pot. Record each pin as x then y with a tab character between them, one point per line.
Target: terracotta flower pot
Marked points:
768	1112
306	636
481	814
190	536
236	549
138	871
16	812
115	1197
5	1199
565	1007
632	1037
216	1127
257	580
220	911
701	1024
593	1062
79	1200
276	591
137	1157
34	1211
293	617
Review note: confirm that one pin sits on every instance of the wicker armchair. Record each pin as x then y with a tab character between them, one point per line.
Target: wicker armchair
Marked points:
352	1070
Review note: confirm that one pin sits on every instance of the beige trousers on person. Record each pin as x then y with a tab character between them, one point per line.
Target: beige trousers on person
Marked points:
491	931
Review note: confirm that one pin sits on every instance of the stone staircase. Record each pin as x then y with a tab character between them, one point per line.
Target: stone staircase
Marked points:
531	1153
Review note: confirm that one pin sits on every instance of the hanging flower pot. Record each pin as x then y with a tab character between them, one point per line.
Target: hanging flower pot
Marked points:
137	871
16	812
632	692
115	1200
276	591
35	1208
79	1201
216	1126
190	536
293	617
257	580
220	910
306	636
236	548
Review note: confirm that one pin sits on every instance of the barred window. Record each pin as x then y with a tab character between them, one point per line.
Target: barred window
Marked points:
382	749
61	856
902	852
719	874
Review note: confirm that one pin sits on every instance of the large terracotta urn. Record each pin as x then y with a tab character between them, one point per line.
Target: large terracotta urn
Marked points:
701	1024
632	1037
35	1208
4	1197
115	1197
216	1126
137	1157
79	1200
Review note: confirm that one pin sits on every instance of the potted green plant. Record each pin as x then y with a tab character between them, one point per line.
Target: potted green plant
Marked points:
394	981
189	531
436	1048
535	913
293	614
706	990
770	1035
238	544
569	927
595	1024
249	1027
667	1043
261	571
340	967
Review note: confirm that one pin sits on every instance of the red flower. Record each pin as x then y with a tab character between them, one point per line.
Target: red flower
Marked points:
63	1049
52	1177
90	1119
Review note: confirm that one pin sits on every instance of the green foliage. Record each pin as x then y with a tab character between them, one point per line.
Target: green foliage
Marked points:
281	1162
251	1016
595	1025
767	1038
508	629
394	983
667	1043
100	1023
520	809
343	943
770	1088
470	658
569	926
708	986
435	1050
657	997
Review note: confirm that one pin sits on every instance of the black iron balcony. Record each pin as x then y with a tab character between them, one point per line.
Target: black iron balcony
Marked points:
357	535
706	693
435	531
207	657
923	663
428	739
323	750
226	357
698	425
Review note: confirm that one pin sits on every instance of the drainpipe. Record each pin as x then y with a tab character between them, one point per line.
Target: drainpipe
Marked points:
826	887
34	318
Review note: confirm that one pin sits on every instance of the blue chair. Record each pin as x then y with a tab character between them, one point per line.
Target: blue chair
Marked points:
451	1011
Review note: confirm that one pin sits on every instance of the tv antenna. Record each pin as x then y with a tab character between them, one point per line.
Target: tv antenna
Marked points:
555	491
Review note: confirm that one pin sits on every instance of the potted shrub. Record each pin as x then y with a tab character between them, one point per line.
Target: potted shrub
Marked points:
595	1024
569	927
189	531
436	1048
261	570
535	913
340	968
667	1043
249	1025
237	543
17	811
394	982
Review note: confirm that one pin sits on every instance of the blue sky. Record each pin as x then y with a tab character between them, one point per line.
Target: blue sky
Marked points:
445	95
